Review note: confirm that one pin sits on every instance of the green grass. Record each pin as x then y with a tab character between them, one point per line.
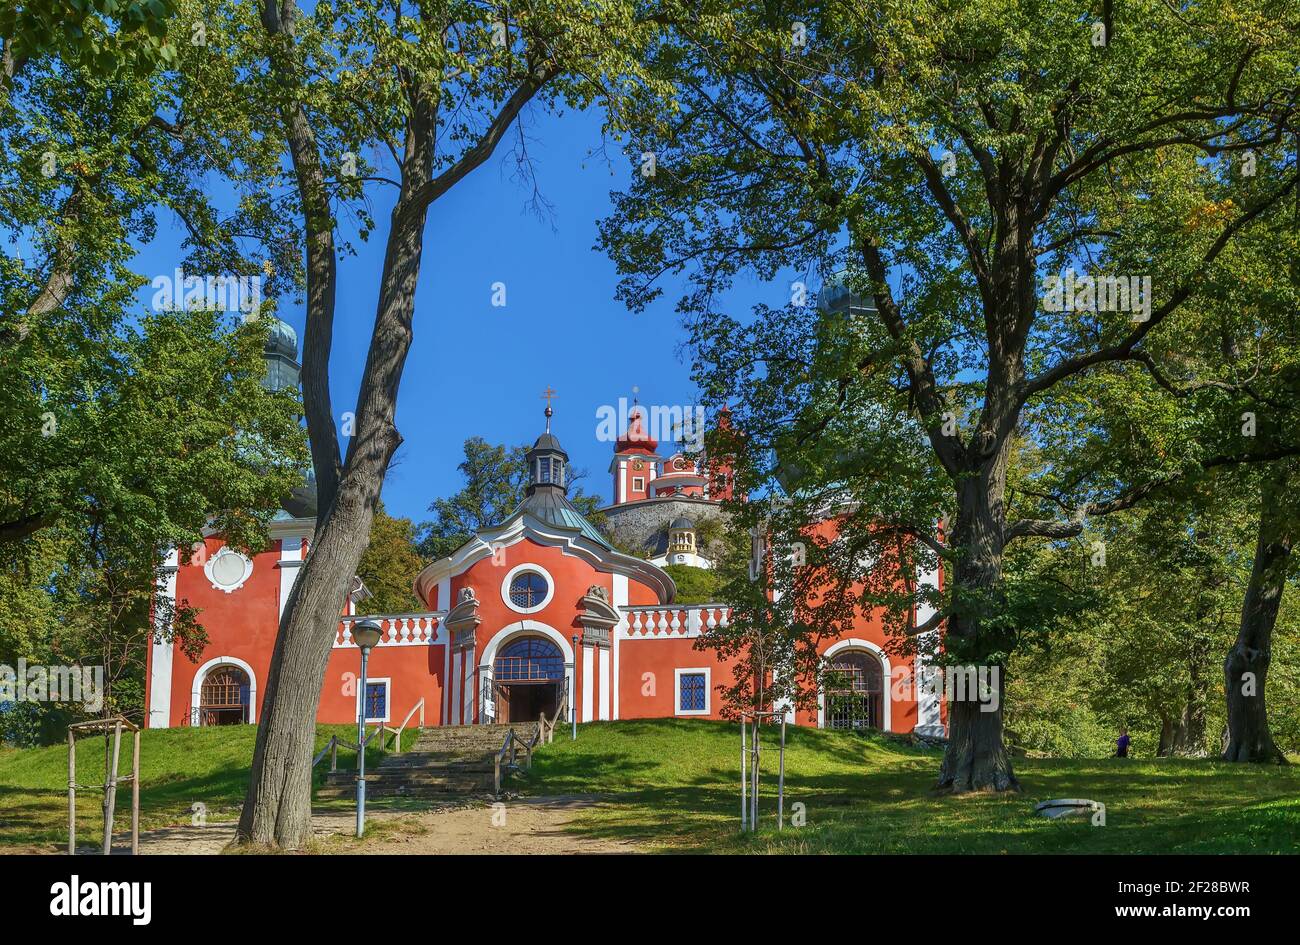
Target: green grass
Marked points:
673	785
179	768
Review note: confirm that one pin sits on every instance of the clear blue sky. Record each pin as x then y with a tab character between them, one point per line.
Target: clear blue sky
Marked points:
475	369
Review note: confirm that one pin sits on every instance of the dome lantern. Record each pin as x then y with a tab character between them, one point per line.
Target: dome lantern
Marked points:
547	461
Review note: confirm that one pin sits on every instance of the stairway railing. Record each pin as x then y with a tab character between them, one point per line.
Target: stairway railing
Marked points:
334	744
397	732
507	757
546	729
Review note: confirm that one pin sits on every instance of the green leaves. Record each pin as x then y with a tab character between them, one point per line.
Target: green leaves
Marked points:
95	34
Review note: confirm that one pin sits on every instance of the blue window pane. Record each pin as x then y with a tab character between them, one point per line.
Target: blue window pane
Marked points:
527	589
691	698
530	658
376	700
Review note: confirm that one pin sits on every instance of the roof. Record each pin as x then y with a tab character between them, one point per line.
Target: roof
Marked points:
682	522
551	505
283	340
547	441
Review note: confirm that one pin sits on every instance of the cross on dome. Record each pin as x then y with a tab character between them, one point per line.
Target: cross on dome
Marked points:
548	394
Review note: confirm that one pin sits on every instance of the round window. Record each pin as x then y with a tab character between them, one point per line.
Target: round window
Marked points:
228	570
527	589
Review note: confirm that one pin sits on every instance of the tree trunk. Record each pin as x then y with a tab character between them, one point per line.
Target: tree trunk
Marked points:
975	758
1184	737
277	808
1245	669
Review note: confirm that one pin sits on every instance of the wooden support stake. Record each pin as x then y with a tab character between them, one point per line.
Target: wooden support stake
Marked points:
110	791
780	785
135	795
72	791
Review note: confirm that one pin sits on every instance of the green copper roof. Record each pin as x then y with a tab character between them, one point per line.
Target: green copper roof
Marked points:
550	504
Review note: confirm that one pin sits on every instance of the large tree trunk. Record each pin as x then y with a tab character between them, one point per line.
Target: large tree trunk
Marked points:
975	758
1245	669
1184	736
277	809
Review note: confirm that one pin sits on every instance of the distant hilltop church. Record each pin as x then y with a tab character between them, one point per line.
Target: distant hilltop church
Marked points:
539	614
659	502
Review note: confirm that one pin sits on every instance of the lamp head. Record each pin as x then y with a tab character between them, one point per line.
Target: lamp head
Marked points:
366	633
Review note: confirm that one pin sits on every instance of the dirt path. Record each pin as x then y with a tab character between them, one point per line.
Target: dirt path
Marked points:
518	826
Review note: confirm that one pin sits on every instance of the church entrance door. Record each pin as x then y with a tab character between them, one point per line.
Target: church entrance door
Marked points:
524	702
528	673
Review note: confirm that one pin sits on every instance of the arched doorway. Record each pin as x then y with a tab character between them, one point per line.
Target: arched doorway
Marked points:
528	674
224	697
855	691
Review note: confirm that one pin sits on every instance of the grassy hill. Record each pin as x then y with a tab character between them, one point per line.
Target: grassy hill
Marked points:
179	768
672	785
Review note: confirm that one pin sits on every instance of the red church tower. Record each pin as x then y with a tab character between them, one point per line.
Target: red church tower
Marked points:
635	464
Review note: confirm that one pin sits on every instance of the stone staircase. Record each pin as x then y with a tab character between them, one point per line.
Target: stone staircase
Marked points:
447	761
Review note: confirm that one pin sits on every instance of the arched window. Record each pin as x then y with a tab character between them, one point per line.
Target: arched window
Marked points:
855	690
529	659
224	697
527	589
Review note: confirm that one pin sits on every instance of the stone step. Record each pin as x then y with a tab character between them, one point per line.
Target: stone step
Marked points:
425	763
384	789
446	761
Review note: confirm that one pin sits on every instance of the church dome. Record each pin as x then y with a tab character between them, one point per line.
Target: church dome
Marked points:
547	441
283	340
547	461
635	438
836	296
682	524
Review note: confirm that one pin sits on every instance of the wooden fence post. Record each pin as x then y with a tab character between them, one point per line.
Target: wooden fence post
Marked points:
110	791
72	791
135	795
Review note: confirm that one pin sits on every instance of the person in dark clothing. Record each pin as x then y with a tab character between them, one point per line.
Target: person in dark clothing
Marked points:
1121	744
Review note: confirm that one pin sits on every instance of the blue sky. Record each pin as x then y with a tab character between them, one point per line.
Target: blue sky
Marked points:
476	369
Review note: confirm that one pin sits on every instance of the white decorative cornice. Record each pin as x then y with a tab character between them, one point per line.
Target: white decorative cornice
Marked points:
570	542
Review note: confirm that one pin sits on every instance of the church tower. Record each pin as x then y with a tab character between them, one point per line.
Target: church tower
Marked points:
635	462
548	464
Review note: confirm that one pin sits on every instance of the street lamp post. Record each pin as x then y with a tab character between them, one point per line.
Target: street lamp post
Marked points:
365	635
573	708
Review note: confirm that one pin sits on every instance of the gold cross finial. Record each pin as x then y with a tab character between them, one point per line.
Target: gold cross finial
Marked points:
548	394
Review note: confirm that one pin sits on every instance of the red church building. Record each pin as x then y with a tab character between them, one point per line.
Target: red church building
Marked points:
538	614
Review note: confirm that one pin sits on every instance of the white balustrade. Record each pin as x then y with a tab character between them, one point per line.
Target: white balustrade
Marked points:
395	629
671	622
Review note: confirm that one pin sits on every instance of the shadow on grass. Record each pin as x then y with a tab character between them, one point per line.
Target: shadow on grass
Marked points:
674	786
34	812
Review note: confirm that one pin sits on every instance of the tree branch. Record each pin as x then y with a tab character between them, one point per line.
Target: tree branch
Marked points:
1123	350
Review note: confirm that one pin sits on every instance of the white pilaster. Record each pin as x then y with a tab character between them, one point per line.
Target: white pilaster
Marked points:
444	604
290	564
588	682
160	664
467	713
620	601
603	709
928	721
457	673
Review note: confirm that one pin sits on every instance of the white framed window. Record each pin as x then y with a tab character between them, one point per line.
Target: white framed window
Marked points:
692	691
638	483
379	698
527	588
